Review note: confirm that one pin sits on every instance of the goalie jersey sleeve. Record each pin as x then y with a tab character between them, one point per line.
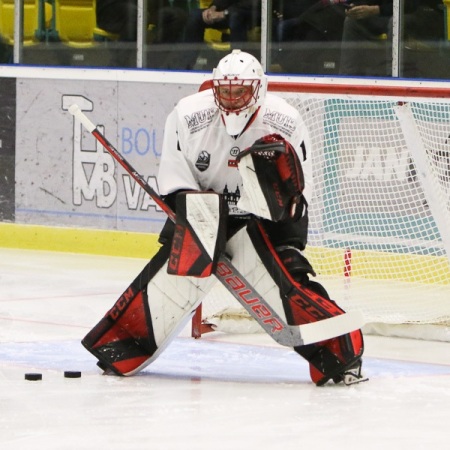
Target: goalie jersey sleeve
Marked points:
198	154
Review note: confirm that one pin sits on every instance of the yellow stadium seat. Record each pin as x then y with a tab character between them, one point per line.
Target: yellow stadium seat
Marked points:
217	39
30	21
447	19
76	23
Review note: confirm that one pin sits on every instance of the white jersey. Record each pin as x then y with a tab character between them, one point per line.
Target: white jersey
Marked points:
198	154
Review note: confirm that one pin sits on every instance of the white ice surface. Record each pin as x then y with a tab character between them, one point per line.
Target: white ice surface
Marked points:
219	392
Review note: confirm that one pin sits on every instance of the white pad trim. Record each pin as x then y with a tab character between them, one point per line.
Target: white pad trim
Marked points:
202	210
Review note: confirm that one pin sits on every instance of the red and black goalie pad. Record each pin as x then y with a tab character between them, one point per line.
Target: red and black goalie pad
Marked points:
188	256
330	359
123	340
280	175
305	304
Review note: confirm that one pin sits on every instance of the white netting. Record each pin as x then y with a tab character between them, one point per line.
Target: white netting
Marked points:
374	237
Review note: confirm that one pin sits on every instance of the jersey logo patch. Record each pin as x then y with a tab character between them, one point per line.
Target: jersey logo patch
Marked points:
282	122
200	119
203	160
233	152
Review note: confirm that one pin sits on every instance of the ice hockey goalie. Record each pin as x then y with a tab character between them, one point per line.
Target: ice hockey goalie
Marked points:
236	168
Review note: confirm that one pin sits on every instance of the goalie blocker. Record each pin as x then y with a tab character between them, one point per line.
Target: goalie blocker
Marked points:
158	304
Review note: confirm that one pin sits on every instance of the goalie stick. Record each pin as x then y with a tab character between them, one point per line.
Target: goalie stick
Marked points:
234	282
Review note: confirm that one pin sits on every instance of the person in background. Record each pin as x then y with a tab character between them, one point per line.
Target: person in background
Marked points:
165	25
309	32
363	49
239	16
168	20
422	33
170	17
5	51
118	17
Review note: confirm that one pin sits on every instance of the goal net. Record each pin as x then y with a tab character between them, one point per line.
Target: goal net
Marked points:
379	235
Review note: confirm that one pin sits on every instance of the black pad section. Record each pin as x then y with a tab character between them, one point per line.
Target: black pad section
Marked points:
289	232
294	261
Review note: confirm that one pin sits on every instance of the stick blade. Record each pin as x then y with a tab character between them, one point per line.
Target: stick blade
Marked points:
331	328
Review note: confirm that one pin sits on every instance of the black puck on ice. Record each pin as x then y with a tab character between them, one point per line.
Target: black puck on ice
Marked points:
33	376
72	374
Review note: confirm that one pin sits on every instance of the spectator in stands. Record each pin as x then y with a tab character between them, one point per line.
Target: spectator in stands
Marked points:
169	18
120	17
239	16
424	20
290	17
302	27
5	51
165	20
422	31
363	50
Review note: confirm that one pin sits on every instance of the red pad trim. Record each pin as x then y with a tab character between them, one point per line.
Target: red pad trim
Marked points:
129	365
306	305
186	257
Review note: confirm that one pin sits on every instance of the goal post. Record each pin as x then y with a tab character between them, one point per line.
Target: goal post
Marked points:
379	234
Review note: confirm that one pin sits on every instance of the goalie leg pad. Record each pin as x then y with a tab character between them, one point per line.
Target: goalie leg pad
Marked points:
146	317
294	262
200	232
306	303
332	359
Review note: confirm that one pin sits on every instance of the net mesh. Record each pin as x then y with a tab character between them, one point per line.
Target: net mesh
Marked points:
380	213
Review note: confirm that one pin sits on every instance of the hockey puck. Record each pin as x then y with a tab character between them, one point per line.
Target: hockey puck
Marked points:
72	374
33	376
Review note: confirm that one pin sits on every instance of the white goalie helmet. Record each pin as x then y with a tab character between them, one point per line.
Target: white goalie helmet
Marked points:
240	87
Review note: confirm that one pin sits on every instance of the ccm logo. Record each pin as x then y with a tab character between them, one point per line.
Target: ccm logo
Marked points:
240	288
177	245
122	303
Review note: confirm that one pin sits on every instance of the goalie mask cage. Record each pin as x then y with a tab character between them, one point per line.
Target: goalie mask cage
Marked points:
379	234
